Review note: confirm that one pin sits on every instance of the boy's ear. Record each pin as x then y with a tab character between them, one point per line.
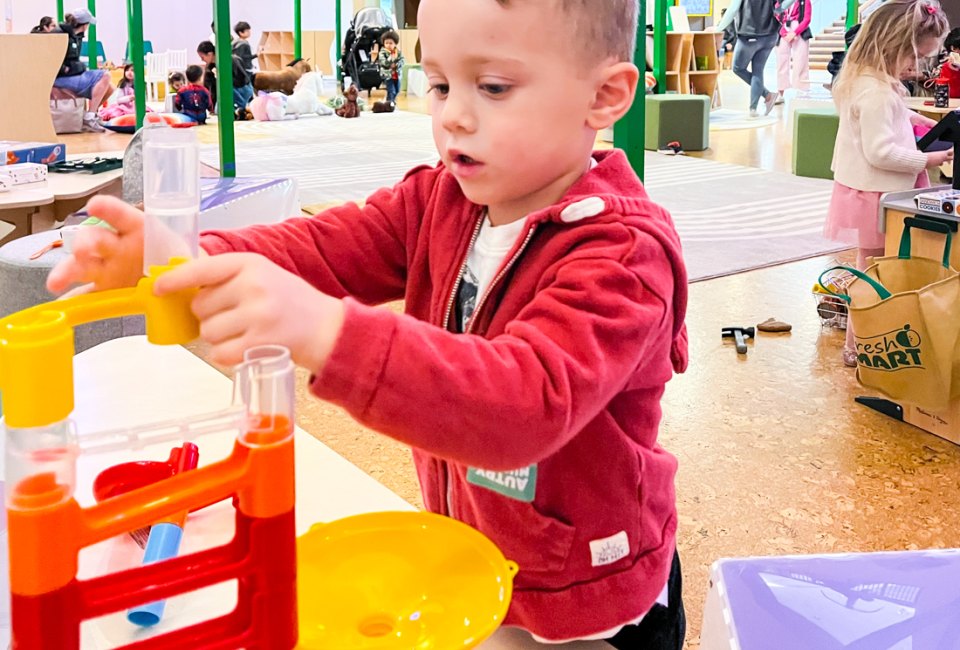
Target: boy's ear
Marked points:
616	91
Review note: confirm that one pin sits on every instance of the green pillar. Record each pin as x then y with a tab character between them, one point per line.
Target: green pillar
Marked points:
92	37
659	45
135	38
339	48
59	11
228	155
297	30
628	133
853	13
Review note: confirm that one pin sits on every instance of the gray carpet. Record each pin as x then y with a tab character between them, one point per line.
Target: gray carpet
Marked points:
730	218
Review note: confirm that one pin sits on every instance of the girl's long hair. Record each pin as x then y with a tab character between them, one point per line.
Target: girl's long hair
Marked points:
124	82
892	34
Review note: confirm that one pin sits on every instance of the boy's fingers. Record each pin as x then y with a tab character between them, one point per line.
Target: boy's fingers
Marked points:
67	272
122	216
204	272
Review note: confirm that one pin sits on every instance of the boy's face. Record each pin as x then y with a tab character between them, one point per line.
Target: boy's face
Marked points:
244	35
390	44
509	115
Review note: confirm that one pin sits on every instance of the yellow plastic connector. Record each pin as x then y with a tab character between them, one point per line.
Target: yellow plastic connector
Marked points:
36	344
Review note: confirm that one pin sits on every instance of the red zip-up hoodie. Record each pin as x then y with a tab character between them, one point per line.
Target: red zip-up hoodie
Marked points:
538	426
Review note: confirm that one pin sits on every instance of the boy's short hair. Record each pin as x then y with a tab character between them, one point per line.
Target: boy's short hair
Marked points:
177	77
194	73
206	47
242	26
952	41
390	35
603	28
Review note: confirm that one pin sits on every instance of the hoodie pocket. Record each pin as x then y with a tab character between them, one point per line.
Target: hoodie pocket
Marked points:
537	542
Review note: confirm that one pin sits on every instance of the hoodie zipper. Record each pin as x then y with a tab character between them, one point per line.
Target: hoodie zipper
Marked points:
463	267
499	276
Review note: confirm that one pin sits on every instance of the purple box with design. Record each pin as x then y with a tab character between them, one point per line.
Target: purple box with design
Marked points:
43	153
855	601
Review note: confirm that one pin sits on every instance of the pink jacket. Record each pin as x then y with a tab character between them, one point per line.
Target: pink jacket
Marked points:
539	427
794	14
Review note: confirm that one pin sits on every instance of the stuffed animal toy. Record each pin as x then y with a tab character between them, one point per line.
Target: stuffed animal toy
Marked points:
350	108
384	107
269	107
283	81
304	99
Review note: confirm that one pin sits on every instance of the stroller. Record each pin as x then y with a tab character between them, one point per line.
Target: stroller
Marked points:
365	31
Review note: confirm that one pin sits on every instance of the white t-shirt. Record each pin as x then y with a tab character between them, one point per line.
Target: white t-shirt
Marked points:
483	261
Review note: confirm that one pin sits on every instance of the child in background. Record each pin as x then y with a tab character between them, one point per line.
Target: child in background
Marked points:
391	63
122	101
793	49
193	100
241	46
876	150
545	297
175	82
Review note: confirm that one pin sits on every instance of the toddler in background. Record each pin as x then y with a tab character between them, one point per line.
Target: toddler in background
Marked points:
193	100
391	63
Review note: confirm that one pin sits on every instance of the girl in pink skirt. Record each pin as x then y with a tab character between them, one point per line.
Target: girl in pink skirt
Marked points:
876	150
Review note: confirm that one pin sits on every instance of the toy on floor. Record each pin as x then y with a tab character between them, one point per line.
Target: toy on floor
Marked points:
285	80
128	123
384	107
739	335
673	148
269	107
350	108
306	98
774	326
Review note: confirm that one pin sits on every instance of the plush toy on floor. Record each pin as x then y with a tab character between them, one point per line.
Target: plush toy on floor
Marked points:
384	107
269	107
283	81
350	108
305	99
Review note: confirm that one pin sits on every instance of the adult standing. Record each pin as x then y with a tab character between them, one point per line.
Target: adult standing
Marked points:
757	33
74	76
793	50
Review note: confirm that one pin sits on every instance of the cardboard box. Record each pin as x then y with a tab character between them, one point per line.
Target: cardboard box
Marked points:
23	173
43	153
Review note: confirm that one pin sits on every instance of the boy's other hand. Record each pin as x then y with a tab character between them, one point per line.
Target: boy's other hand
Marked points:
245	301
107	259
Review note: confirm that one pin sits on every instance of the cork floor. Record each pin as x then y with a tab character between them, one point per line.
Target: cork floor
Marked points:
775	457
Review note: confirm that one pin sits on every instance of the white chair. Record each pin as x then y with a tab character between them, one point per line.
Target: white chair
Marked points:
156	74
176	61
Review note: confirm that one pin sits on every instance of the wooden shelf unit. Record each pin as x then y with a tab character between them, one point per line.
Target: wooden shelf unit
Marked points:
683	50
276	50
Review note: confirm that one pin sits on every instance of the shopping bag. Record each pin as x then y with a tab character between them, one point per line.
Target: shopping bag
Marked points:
905	313
67	114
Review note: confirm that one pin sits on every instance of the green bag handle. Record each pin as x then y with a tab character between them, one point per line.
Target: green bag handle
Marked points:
879	288
925	224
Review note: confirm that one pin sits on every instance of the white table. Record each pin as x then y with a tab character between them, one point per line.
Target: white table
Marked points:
127	383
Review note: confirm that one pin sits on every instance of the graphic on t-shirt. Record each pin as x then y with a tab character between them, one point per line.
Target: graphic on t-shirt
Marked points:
467	297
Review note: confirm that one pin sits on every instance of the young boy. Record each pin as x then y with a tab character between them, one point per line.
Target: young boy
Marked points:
241	46
193	100
545	296
391	63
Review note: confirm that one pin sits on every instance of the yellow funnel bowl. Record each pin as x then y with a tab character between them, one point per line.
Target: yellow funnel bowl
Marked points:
410	580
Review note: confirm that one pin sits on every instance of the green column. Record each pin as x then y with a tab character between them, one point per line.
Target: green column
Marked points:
628	133
92	37
853	13
135	38
339	48
297	30
59	11
659	44
228	155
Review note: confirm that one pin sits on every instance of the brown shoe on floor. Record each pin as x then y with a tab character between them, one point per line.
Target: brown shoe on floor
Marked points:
774	325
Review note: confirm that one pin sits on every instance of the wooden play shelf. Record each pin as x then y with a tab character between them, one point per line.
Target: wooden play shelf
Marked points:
693	66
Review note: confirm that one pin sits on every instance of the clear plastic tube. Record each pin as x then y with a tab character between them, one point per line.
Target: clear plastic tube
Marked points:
171	195
264	383
40	465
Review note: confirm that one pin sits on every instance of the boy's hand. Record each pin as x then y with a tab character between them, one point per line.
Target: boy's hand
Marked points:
245	301
106	259
937	158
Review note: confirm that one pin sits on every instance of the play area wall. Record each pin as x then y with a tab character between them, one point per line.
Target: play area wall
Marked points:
182	24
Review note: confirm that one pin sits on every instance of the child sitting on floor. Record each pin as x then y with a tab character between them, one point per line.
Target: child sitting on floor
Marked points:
175	82
193	100
545	296
122	102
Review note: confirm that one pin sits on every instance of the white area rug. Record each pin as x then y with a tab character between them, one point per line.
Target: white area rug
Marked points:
730	218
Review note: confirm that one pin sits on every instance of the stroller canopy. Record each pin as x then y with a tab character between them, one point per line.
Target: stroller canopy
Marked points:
371	17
